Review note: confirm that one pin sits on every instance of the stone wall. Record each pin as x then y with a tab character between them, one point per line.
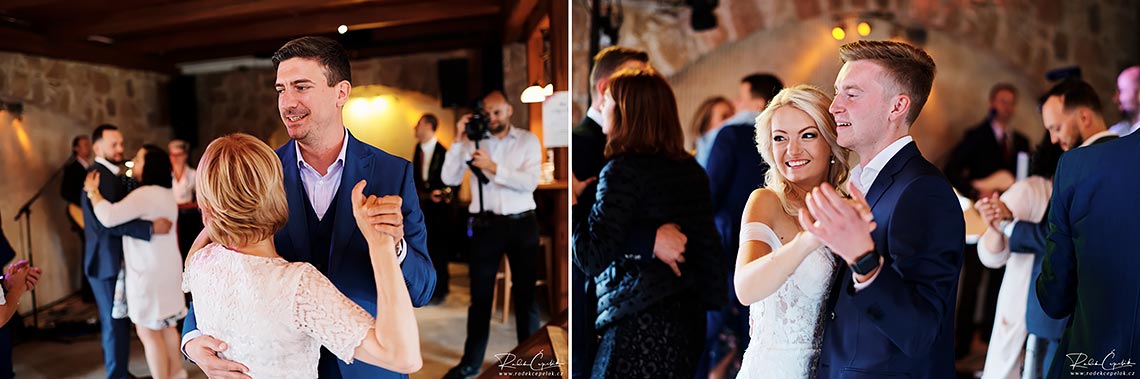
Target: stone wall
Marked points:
245	101
975	43
63	99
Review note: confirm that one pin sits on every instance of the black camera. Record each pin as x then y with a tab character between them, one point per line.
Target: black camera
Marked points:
479	124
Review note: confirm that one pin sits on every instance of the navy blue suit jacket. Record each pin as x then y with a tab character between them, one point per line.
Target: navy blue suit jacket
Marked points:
903	323
103	250
1090	263
735	169
350	268
1029	237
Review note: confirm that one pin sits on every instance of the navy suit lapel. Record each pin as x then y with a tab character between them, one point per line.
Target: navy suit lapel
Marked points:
297	226
885	178
357	166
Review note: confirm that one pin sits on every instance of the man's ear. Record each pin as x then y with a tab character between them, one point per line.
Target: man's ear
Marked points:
900	106
343	89
600	89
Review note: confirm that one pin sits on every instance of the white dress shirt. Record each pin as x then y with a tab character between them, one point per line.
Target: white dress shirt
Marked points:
428	149
1124	127
595	115
864	177
110	166
518	157
184	189
322	189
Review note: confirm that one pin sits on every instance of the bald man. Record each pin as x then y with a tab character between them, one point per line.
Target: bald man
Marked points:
510	158
1128	99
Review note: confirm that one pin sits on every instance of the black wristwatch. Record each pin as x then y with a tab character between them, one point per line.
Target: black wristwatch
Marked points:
866	263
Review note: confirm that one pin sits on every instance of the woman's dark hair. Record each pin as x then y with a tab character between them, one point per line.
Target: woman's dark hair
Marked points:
157	170
1045	158
645	119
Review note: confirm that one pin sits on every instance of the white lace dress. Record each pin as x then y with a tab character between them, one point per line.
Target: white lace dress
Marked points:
275	315
784	326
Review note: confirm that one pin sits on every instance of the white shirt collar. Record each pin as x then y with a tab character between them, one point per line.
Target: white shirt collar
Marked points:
426	146
83	162
1095	137
595	115
339	158
110	166
864	177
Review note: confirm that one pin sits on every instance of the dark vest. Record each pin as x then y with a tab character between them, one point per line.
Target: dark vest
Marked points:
320	232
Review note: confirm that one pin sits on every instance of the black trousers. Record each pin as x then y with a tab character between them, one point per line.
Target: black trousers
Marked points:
189	225
438	221
491	237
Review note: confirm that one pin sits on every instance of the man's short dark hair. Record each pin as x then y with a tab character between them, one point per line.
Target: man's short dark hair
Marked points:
764	86
75	141
1002	87
431	119
328	53
609	59
1076	93
99	130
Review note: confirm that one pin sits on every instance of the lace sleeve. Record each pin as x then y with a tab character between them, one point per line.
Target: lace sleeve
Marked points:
324	313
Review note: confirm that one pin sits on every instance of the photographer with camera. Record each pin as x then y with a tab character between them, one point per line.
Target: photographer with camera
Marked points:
505	162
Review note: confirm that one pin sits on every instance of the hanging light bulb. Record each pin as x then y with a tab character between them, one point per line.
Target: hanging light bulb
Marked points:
864	28
838	33
342	29
548	90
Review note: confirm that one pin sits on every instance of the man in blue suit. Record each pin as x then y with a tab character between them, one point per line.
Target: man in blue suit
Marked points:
1089	269
892	302
1072	115
735	169
322	158
103	253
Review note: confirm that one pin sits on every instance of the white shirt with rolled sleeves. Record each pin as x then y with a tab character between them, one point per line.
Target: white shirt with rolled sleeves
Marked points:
864	177
184	189
518	157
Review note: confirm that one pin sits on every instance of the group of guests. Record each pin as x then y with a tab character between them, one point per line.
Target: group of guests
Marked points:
848	250
311	256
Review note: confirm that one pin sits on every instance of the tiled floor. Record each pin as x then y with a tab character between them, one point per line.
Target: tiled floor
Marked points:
442	333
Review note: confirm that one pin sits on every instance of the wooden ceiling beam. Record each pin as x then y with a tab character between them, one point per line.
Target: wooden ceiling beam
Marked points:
316	24
181	14
516	15
36	44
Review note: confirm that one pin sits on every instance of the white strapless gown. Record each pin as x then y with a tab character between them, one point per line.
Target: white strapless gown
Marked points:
785	333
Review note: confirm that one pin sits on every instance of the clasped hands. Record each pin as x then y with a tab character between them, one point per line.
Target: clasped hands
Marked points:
842	224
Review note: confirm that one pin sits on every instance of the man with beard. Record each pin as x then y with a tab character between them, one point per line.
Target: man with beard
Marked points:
103	247
503	206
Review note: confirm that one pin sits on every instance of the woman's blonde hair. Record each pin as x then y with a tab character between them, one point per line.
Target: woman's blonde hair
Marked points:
814	103
241	190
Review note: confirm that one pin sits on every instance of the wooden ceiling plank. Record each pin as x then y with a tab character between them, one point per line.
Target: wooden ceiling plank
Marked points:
35	44
190	12
516	17
379	16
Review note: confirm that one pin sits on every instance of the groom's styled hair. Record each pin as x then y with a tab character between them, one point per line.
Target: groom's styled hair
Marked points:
910	68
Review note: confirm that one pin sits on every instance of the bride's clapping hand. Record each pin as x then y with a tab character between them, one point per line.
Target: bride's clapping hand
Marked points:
370	214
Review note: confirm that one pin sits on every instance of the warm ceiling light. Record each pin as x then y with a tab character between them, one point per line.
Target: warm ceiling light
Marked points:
534	94
863	28
548	90
342	29
838	33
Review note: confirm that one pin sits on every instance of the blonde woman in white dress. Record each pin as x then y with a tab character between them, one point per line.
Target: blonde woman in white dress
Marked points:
275	315
783	273
153	269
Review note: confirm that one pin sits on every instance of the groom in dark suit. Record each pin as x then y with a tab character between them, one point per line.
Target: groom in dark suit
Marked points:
892	303
103	250
1090	264
321	162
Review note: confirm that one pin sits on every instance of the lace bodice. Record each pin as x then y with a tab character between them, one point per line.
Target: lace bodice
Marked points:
274	314
785	338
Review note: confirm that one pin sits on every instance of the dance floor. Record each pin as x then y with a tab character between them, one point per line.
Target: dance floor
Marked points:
74	353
